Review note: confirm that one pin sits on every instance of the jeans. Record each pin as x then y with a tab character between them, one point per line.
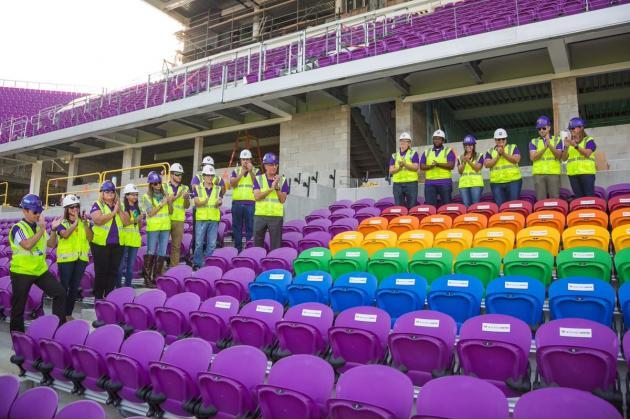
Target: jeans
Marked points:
431	193
547	186
509	191
70	274
205	232
157	240
471	195
177	232
582	185
126	266
264	223
242	214
406	194
21	285
106	265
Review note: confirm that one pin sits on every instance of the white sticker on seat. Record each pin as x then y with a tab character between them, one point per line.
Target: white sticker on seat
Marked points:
382	236
624	200
479	255
315	278
454	235
420	322
457	283
551	204
496	327
573	332
311	313
357	280
405	281
528	255
395	210
433	255
405	221
353	254
223	304
538	233
516	205
452	208
507	217
417	236
316	254
471	219
368	318
495	234
581	287
513	285
375	222
391	254
276	276
587	202
587	215
437	219
423	209
583	255
264	309
585	232
625	213
483	206
349	236
545	216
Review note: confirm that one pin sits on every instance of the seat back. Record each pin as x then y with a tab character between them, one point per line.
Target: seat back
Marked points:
517	296
250	258
110	310
588	216
415	240
421	211
580	297
388	261
547	218
341	225
480	262
472	222
401	293
140	313
552	204
9	388
512	221
313	259
271	284
314	239
321	224
55	352
621	238
304	329
620	217
592	202
622	266
618	202
586	236
455	239
353	289
431	263
211	322
518	206
311	286
584	261
26	345
402	224
529	262
497	238
202	281
353	259
366	212
379	240
539	236
486	208
345	240
222	258
553	402
393	212
173	319
255	324
281	258
235	283
38	402
82	409
456	295
436	223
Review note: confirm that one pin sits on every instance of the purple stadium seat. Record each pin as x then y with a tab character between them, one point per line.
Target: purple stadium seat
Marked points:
222	258
363	203
55	352
212	321
9	388
255	324
343	225
87	281
5	296
26	345
82	409
281	258
172	281
250	258
228	390
297	387
315	239
293	225
291	239
172	320
139	314
201	282
34	303
110	310
235	283
563	403
383	203
341	213
320	224
322	213
304	330
357	397
600	192
38	402
342	203
366	212
618	189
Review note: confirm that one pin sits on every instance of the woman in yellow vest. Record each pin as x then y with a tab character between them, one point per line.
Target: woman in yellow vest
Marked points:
438	161
469	167
28	240
107	250
403	166
131	238
505	175
545	152
73	248
270	193
181	202
242	182
159	207
208	200
579	153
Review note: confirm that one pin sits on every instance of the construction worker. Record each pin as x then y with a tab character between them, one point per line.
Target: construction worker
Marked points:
270	193
469	166
181	202
159	207
198	178
438	161
579	153
75	236
28	240
243	203
505	175
131	234
545	152
403	166
208	200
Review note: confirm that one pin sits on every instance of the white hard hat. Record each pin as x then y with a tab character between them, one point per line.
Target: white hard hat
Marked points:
70	199
208	170
207	160
130	188
177	168
405	136
246	154
439	133
500	133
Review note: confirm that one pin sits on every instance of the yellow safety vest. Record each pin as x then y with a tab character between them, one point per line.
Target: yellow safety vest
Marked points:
74	247
130	235
179	212
270	206
577	164
208	212
404	174
29	262
244	189
160	221
547	164
469	178
437	173
101	232
504	171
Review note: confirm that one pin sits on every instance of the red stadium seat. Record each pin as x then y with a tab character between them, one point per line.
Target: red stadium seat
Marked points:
522	207
421	211
452	210
619	201
559	205
392	212
486	208
588	202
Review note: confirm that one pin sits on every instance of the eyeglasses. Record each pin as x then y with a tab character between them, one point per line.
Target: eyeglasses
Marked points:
132	194
74	207
176	174
542	129
500	139
108	191
154	183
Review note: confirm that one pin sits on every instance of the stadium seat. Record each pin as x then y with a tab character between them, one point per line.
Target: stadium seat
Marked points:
383	203
547	238
304	330
211	322
318	214
293	226
512	221
590	262
255	324
620	217
55	352
415	240
139	315
280	258
321	224
547	218
313	259
110	309
403	224
622	266
345	240
565	403
618	202
486	208
37	402
421	211
530	262
591	202
81	409
497	238
341	225
314	239
457	295
271	285
367	212
348	260
401	293
172	281
471	222
581	297
362	203
250	258
436	223
222	258
480	262
172	320
552	204
624	304
201	282
235	282
311	286
342	203
26	344
455	240
392	212
586	236
378	240
431	263
519	206
588	216
340	213
517	296
388	261
372	224
452	210
352	290
621	238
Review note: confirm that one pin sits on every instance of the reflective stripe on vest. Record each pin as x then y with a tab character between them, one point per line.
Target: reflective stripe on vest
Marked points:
547	164
75	246
270	205
208	212
160	221
437	173
469	178
504	171
404	174
101	232
577	164
130	235
179	212
244	189
28	262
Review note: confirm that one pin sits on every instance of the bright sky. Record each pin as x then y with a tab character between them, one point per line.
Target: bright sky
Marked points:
100	43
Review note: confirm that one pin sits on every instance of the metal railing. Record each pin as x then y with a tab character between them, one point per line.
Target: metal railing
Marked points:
165	172
85	190
5	194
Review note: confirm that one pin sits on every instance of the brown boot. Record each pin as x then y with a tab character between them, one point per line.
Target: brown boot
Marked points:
158	268
147	271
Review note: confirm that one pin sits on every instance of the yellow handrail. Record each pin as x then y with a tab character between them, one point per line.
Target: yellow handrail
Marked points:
6	192
85	190
166	169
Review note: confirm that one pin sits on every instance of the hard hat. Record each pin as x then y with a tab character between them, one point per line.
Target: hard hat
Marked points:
69	200
543	121
405	136
500	133
130	188
31	202
108	186
177	168
154	178
439	133
576	122
208	170
470	140
246	154
207	160
270	158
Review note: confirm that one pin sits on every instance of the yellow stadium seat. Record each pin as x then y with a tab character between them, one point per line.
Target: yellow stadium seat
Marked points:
621	237
345	240
372	224
378	240
436	223
586	236
542	237
620	217
547	218
402	224
414	240
588	216
472	222
497	238
454	239
513	221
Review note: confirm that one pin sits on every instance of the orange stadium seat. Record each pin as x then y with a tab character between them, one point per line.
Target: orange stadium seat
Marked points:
372	224
415	240
472	222
345	240
454	239
400	225
436	223
547	218
378	240
498	238
542	237
513	221
587	216
586	236
620	217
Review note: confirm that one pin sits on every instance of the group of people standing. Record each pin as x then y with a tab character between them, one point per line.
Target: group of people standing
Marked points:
546	151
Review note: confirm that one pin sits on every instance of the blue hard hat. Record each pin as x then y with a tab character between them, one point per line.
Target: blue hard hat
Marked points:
576	122
108	186
154	178
470	140
270	158
31	202
543	121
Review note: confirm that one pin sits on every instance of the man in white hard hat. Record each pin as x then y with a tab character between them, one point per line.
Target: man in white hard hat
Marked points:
505	175
438	162
403	166
243	203
181	202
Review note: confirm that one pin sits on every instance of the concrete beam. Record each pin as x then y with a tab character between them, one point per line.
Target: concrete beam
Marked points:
231	114
338	94
256	110
559	55
111	140
194	121
502	109
400	83
217	148
152	129
474	70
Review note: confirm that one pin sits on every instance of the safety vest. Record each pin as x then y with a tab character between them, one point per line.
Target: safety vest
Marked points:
101	232
504	171
74	247
404	174
577	164
547	164
130	234
179	212
270	206
208	212
244	189
469	178
29	262
437	173
160	221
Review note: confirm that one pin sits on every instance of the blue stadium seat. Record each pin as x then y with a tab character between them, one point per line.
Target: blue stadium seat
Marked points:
401	293
518	296
271	285
352	290
457	295
585	298
624	304
310	287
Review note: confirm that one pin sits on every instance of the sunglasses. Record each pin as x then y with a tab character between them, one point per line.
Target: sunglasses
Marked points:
574	128
154	184
109	192
542	129
500	139
132	194
74	207
176	174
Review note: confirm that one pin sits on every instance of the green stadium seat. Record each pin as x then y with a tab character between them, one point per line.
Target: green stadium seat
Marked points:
354	259
481	262
388	261
622	266
313	259
529	261
584	261
431	263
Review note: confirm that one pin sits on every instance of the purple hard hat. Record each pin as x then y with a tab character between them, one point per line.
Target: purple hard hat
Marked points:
270	158
31	202
470	140
108	186
154	178
543	121
576	122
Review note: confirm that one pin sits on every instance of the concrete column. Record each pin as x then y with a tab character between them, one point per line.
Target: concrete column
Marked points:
565	102
131	158
411	117
256	25
36	177
338	7
73	166
197	153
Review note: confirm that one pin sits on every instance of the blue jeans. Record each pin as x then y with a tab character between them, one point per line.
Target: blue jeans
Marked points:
70	274
126	266
406	194
205	232
509	191
582	185
157	242
471	195
431	193
242	214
